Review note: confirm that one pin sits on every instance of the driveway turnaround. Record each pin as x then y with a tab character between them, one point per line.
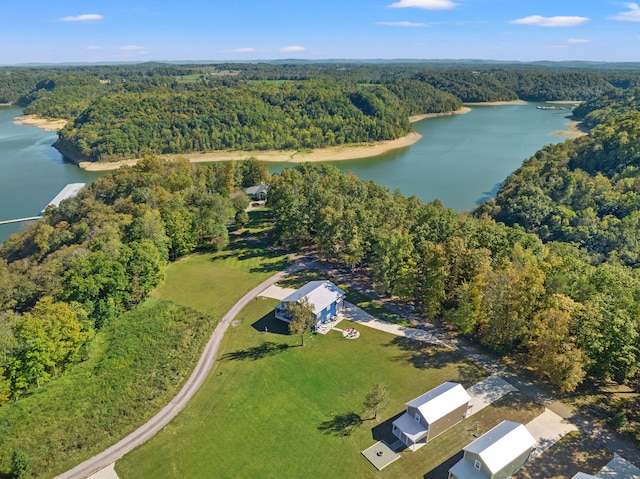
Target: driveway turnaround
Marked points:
488	391
619	468
548	428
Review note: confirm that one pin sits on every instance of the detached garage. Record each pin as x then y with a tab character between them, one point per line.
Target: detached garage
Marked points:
431	414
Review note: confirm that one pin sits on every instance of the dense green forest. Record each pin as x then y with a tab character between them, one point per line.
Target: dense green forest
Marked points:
100	253
128	111
207	117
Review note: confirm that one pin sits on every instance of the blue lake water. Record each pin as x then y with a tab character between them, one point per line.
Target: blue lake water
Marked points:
460	159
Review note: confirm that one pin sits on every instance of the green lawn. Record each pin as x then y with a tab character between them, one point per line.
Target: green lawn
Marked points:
272	409
135	365
213	282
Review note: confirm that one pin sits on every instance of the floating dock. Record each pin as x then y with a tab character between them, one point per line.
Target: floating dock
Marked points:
68	191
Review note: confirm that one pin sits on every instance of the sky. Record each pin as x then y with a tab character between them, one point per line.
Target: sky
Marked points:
46	31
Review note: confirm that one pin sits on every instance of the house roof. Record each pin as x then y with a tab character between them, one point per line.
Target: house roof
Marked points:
412	428
440	401
499	446
319	293
582	475
256	190
463	469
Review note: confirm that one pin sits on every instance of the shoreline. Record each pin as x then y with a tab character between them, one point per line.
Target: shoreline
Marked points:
460	111
45	124
573	130
334	153
496	103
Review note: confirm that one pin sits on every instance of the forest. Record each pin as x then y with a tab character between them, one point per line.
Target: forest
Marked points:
547	273
129	111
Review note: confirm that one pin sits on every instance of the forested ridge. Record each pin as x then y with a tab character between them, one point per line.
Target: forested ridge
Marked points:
128	111
546	273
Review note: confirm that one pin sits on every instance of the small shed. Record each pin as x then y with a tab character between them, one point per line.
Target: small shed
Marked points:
431	414
496	454
326	299
257	193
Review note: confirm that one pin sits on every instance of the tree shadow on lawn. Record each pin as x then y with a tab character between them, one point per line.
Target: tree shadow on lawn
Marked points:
271	266
342	425
424	355
301	278
443	469
268	348
269	324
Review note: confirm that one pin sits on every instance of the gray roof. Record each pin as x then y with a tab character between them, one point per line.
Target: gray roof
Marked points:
256	190
440	401
502	444
319	293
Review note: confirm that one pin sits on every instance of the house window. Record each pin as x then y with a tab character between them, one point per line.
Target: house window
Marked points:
477	464
417	417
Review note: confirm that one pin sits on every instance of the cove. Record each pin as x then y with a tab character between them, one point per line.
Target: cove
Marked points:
32	172
460	159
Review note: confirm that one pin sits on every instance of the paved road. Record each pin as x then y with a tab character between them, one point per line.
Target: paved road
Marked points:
177	404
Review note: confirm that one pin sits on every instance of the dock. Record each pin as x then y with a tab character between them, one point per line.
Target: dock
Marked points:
68	191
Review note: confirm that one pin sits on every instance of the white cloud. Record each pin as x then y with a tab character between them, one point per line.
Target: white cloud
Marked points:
539	21
131	50
633	15
92	47
86	17
243	50
424	4
401	24
293	48
577	40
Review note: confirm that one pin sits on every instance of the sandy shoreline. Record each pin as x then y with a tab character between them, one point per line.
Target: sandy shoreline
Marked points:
35	120
337	153
460	111
573	130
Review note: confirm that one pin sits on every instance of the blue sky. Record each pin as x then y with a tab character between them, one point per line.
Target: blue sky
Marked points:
140	30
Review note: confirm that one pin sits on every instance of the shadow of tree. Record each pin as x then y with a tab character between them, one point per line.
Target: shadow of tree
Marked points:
270	324
271	266
267	348
301	278
342	424
424	355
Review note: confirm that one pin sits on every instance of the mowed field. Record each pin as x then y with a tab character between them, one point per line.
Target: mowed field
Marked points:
273	409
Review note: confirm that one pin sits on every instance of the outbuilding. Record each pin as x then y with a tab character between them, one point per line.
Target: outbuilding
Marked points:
325	298
431	414
496	454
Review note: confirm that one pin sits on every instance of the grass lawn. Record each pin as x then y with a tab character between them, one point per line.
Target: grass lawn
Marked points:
135	365
211	283
272	409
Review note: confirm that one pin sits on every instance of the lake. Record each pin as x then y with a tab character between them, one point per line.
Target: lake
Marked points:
460	159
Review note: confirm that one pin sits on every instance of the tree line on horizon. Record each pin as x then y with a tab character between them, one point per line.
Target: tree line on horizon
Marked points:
129	111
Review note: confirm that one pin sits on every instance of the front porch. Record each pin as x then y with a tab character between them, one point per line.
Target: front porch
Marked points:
413	434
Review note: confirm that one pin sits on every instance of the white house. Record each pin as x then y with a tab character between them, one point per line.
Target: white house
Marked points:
326	299
496	454
431	414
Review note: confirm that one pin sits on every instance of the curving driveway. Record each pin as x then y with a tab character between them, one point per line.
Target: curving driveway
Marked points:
177	404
